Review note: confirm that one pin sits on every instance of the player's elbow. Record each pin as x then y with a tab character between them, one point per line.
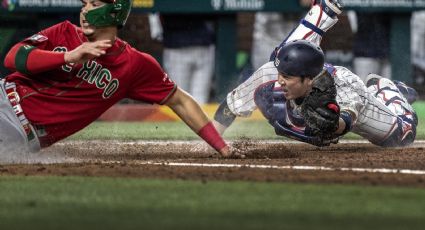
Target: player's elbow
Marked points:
9	61
180	99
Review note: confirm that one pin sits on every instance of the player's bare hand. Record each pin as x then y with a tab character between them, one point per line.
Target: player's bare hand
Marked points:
87	51
231	152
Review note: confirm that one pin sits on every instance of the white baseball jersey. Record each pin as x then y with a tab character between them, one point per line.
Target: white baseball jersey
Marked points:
372	119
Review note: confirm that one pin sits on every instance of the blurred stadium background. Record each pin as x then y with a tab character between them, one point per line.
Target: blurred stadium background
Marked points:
125	195
234	20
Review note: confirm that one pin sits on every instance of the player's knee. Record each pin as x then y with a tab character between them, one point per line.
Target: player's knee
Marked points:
395	141
404	135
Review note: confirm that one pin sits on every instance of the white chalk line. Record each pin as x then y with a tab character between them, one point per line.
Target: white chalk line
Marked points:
85	144
279	167
417	143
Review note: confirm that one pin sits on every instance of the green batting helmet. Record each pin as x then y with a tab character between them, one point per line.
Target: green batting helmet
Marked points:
113	13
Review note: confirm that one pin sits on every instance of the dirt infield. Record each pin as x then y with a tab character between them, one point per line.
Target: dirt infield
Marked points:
346	163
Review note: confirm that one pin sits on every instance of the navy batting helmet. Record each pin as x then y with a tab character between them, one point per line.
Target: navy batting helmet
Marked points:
300	58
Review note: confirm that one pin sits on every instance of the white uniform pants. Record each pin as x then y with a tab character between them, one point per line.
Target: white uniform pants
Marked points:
191	68
13	139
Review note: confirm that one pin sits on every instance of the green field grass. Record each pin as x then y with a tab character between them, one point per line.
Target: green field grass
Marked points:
117	203
50	202
179	131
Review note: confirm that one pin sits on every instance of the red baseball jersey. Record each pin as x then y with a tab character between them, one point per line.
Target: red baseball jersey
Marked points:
62	101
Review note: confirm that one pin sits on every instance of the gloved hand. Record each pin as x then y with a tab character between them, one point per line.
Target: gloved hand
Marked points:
320	110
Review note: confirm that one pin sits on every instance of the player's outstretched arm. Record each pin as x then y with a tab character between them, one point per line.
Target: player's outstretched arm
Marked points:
29	59
240	101
192	114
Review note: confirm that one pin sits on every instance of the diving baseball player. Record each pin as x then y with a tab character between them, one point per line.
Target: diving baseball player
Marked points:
305	99
66	76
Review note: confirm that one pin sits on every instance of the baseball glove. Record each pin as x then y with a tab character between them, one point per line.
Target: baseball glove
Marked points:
320	109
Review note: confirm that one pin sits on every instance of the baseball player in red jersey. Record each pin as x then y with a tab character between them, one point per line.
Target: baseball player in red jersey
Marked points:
67	76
